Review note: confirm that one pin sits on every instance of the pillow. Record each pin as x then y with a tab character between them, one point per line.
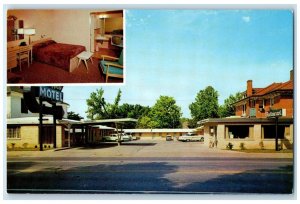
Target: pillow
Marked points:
49	42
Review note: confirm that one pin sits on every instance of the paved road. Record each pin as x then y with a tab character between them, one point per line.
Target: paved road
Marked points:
149	175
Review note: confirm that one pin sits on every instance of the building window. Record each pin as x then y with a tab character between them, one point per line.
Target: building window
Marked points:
244	110
271	102
24	108
13	133
239	131
261	105
211	131
269	131
252	104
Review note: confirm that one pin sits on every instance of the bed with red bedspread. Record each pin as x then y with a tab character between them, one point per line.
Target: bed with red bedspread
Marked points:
57	54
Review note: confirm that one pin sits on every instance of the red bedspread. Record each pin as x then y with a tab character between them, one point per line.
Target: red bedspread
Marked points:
57	54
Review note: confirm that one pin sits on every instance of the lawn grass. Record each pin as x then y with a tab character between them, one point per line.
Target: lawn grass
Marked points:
26	149
263	150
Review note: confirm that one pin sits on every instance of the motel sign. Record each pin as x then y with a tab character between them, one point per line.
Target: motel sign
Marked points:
51	94
275	113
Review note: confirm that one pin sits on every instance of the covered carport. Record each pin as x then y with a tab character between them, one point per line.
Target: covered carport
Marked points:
84	132
117	124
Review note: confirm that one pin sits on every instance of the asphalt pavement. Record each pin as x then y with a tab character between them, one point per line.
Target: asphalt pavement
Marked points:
149	167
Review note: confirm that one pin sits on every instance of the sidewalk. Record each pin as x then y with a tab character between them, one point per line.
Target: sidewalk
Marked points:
146	149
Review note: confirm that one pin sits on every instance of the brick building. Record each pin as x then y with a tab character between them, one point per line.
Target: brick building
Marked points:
251	128
257	102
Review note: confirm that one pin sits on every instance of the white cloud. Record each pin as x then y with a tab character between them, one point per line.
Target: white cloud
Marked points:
247	19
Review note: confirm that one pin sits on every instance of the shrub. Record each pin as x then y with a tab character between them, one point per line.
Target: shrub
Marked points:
261	145
229	146
242	146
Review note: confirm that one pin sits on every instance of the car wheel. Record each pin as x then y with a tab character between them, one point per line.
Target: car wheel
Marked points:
187	140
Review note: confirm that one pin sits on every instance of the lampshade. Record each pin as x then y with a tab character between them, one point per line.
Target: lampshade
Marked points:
29	31
20	31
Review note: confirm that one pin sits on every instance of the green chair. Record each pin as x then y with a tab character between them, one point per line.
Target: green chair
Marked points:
112	66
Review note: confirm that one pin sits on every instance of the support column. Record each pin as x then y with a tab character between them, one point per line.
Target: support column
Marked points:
276	134
69	134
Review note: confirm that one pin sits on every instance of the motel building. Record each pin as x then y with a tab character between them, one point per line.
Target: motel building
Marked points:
23	125
158	134
256	116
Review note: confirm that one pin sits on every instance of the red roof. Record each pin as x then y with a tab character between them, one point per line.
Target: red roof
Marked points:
275	87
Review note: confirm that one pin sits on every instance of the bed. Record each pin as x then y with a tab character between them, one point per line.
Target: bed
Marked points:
57	54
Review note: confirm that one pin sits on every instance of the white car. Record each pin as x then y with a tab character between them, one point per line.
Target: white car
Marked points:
191	137
111	138
126	137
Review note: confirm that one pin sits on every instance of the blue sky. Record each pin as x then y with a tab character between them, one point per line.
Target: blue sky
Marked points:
179	52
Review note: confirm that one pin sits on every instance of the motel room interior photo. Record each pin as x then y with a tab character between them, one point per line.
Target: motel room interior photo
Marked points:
64	46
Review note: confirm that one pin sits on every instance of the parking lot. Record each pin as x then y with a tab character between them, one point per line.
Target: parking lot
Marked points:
145	148
149	166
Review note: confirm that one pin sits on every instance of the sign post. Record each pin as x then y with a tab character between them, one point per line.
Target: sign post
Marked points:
275	113
41	124
51	95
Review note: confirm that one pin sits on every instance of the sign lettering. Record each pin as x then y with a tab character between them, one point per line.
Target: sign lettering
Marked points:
51	94
275	113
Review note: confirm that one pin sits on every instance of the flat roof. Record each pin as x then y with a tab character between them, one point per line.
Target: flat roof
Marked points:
242	120
49	120
167	130
118	120
29	120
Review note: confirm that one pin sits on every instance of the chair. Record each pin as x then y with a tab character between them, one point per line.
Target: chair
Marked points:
112	66
23	55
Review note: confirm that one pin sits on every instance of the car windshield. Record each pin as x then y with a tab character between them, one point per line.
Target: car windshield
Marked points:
190	134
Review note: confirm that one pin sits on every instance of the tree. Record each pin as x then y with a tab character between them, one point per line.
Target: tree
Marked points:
97	105
164	114
147	122
74	116
132	111
205	105
98	108
227	109
113	109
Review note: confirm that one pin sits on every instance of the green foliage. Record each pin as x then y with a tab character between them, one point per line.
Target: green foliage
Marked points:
205	105
74	116
147	122
97	105
164	114
132	111
192	123
228	109
98	108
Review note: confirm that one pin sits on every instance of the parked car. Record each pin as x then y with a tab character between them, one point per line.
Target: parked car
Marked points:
111	138
126	137
169	138
191	137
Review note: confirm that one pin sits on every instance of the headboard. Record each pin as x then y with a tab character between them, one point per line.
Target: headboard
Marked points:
40	40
